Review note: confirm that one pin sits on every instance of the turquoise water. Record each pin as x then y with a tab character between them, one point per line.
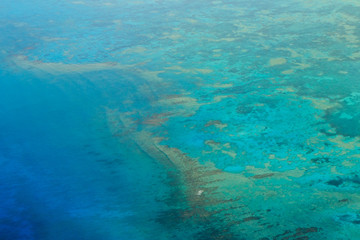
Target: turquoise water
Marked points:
179	119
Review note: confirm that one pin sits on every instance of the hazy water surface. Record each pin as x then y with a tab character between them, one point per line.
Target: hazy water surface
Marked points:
179	119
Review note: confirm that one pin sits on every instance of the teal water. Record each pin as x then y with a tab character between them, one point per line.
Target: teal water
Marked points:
179	119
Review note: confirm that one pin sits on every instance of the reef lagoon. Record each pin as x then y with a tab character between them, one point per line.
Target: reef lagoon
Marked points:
178	119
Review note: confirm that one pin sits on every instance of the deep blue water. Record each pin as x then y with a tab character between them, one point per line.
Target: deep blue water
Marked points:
64	176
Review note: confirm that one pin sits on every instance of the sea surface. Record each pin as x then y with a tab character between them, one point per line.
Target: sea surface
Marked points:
179	119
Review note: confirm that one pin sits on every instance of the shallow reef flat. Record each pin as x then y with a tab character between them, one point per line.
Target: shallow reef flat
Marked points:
253	186
233	119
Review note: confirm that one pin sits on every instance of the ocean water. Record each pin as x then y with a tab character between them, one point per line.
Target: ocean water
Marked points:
179	119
